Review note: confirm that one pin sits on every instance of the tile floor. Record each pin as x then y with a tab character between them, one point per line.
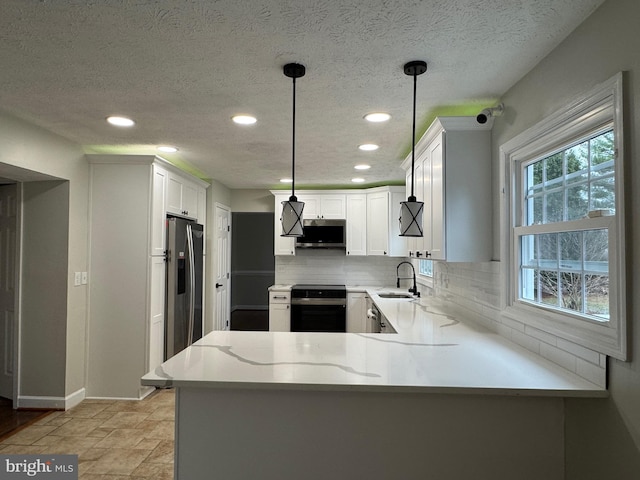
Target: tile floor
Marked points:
114	440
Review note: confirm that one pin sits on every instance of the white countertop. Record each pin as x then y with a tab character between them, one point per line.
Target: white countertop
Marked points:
433	352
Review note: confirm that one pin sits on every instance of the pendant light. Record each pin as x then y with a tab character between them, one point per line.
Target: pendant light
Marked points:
292	209
411	210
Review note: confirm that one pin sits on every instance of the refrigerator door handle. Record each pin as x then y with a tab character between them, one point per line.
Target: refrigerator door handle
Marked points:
192	285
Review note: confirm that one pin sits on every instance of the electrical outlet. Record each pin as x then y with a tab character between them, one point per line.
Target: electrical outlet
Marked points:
85	278
77	280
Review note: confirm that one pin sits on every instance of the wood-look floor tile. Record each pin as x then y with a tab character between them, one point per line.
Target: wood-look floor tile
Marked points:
29	435
122	438
125	420
100	432
21	449
78	427
85	410
164	412
161	429
148	443
131	406
66	445
163	453
157	471
118	461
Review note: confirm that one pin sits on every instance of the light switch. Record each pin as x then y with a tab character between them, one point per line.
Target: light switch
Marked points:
77	281
84	278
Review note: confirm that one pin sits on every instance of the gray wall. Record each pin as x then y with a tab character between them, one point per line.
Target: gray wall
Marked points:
45	213
602	436
33	149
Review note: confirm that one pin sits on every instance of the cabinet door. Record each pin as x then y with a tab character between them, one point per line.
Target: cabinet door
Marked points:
158	215
174	194
281	245
378	223
156	323
189	199
279	317
356	224
333	206
356	313
311	206
437	200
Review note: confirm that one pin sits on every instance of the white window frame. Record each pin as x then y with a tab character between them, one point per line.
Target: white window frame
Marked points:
427	280
599	108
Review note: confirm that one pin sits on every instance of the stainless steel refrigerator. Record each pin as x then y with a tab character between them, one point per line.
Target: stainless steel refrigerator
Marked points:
183	309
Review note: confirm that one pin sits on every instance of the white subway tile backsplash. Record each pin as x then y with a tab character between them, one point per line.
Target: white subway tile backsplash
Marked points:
593	373
562	358
540	335
579	351
526	341
477	288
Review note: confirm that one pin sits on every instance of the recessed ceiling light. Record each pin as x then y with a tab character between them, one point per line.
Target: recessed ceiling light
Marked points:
368	147
286	180
362	167
357	180
120	121
377	117
167	149
244	119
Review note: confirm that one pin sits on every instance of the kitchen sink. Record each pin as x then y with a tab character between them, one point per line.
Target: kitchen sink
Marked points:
395	295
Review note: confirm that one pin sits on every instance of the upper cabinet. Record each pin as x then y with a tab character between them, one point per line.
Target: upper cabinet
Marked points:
328	206
453	178
356	224
371	218
182	196
383	226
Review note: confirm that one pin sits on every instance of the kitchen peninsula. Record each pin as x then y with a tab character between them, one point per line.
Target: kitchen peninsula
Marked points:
442	398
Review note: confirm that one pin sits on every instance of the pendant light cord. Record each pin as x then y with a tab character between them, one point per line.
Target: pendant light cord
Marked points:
413	138
293	143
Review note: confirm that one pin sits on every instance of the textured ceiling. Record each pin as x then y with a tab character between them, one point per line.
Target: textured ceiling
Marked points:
182	68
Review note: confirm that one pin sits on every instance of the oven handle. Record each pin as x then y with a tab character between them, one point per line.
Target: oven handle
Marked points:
319	301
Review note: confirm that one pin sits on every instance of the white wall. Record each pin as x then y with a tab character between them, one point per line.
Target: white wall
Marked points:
602	436
31	148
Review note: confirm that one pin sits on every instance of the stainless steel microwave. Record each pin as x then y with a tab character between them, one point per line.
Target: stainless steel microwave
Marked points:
323	233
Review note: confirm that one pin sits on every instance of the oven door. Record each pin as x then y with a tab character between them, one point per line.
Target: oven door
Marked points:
318	315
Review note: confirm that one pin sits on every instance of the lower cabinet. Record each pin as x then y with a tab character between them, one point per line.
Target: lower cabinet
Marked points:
279	311
357	312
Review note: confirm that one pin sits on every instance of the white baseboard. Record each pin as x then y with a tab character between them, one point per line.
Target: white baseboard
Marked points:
53	403
143	392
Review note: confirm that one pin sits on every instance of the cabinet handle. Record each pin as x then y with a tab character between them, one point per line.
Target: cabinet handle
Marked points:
384	252
427	254
277	296
218	285
418	254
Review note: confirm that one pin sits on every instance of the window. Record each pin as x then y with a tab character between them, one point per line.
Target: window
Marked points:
425	268
565	233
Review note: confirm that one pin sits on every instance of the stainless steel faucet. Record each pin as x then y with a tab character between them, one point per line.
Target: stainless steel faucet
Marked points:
413	289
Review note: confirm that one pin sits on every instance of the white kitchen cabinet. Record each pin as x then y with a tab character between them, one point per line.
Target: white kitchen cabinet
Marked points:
356	312
128	207
356	224
281	245
279	310
327	206
371	218
454	157
183	196
383	228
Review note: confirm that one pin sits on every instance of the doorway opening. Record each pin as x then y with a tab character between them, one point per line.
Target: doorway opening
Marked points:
252	269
